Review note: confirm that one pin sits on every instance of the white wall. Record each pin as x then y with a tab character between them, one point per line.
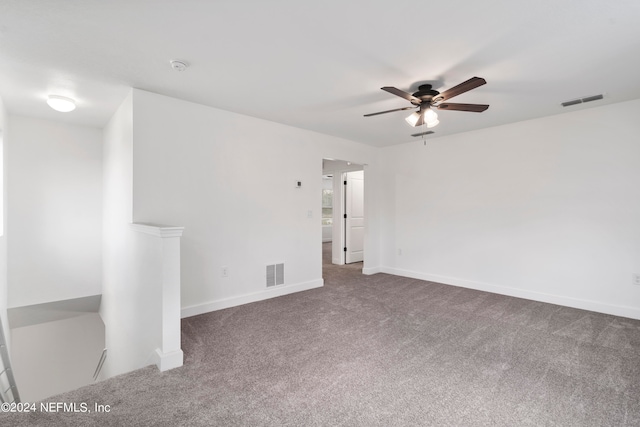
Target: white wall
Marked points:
55	357
133	273
123	307
546	209
54	187
4	322
229	180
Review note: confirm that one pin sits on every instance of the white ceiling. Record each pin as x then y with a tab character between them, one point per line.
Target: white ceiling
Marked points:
319	65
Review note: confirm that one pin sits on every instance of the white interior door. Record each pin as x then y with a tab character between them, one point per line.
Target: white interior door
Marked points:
354	221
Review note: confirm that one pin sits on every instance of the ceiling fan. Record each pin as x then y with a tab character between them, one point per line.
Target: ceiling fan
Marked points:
426	97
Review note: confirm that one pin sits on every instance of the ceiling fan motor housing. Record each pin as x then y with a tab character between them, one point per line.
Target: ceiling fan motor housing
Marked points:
425	93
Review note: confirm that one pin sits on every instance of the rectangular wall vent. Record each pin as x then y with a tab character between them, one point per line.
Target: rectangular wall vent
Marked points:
275	275
582	100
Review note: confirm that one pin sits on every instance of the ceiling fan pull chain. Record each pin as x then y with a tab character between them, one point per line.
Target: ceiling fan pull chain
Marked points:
424	134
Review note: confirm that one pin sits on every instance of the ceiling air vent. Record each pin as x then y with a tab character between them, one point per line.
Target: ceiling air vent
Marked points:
582	100
592	98
429	132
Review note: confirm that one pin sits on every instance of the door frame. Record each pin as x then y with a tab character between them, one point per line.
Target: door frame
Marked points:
338	257
337	168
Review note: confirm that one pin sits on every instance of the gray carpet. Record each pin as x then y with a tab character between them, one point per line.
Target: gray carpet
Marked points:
382	351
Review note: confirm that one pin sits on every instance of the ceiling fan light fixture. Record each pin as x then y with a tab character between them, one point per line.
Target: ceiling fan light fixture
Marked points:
413	118
430	116
433	123
61	103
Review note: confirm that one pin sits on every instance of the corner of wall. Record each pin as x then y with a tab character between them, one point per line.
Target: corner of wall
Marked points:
4	321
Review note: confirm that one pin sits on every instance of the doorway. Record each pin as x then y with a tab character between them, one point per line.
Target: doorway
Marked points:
343	224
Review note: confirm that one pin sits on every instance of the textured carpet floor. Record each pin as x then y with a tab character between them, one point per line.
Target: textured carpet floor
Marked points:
382	350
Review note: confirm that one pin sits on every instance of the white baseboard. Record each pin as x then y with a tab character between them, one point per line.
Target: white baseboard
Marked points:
277	291
616	310
166	361
371	270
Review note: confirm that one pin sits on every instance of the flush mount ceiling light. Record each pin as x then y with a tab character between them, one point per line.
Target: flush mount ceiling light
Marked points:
61	103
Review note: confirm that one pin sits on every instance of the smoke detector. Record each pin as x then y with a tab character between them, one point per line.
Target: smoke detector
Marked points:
178	65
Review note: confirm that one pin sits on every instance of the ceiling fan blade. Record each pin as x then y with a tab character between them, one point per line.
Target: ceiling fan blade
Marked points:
476	108
472	83
389	111
402	94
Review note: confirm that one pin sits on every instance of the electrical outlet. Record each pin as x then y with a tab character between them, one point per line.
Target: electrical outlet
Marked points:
224	271
636	279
